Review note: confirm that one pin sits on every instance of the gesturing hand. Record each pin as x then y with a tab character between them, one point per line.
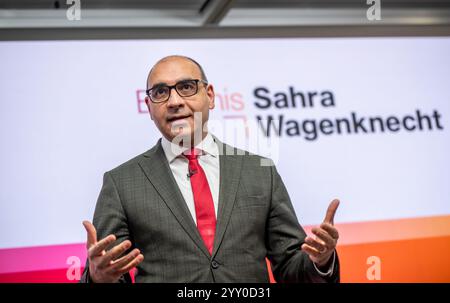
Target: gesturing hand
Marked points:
104	265
321	247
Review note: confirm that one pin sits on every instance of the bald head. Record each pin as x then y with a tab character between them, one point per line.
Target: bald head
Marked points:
177	58
174	117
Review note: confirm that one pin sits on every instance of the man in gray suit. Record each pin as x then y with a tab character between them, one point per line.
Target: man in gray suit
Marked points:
211	213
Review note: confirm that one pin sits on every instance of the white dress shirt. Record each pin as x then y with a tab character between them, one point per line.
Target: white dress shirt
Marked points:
179	165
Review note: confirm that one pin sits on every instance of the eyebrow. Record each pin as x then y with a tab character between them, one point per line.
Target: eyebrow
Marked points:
164	83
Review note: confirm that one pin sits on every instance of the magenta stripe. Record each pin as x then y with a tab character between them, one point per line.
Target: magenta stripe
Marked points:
41	257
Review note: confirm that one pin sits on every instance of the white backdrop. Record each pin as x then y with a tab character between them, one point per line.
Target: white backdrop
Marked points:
69	111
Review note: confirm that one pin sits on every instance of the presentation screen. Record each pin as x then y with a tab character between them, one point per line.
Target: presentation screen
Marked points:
365	120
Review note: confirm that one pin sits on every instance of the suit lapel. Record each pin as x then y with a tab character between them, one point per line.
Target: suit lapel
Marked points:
230	172
157	170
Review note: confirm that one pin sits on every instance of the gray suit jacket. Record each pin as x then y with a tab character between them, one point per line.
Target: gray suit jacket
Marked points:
141	201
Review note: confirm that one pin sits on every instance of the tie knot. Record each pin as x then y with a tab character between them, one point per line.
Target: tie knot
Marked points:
192	154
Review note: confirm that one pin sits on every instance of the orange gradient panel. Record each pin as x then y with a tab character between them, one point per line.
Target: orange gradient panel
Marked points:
391	230
408	250
418	260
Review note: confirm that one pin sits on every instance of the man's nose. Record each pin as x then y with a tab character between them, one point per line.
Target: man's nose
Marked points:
175	100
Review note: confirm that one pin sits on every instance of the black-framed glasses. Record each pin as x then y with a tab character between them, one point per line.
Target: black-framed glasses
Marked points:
185	88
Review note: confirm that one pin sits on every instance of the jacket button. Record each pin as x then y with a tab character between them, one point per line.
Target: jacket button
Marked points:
214	264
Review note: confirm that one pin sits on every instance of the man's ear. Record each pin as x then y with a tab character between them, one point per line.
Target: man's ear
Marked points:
147	102
211	96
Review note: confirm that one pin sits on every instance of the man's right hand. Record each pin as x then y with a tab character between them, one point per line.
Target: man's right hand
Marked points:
106	266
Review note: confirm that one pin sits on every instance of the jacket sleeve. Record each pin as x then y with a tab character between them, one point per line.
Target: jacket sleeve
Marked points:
110	218
284	239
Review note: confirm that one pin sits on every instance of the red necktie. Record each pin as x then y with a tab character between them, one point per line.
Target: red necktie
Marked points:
204	205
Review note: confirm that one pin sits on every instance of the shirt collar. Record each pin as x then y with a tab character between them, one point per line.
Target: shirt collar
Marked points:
172	151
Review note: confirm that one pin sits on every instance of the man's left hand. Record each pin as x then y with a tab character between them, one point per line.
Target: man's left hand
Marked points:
320	248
